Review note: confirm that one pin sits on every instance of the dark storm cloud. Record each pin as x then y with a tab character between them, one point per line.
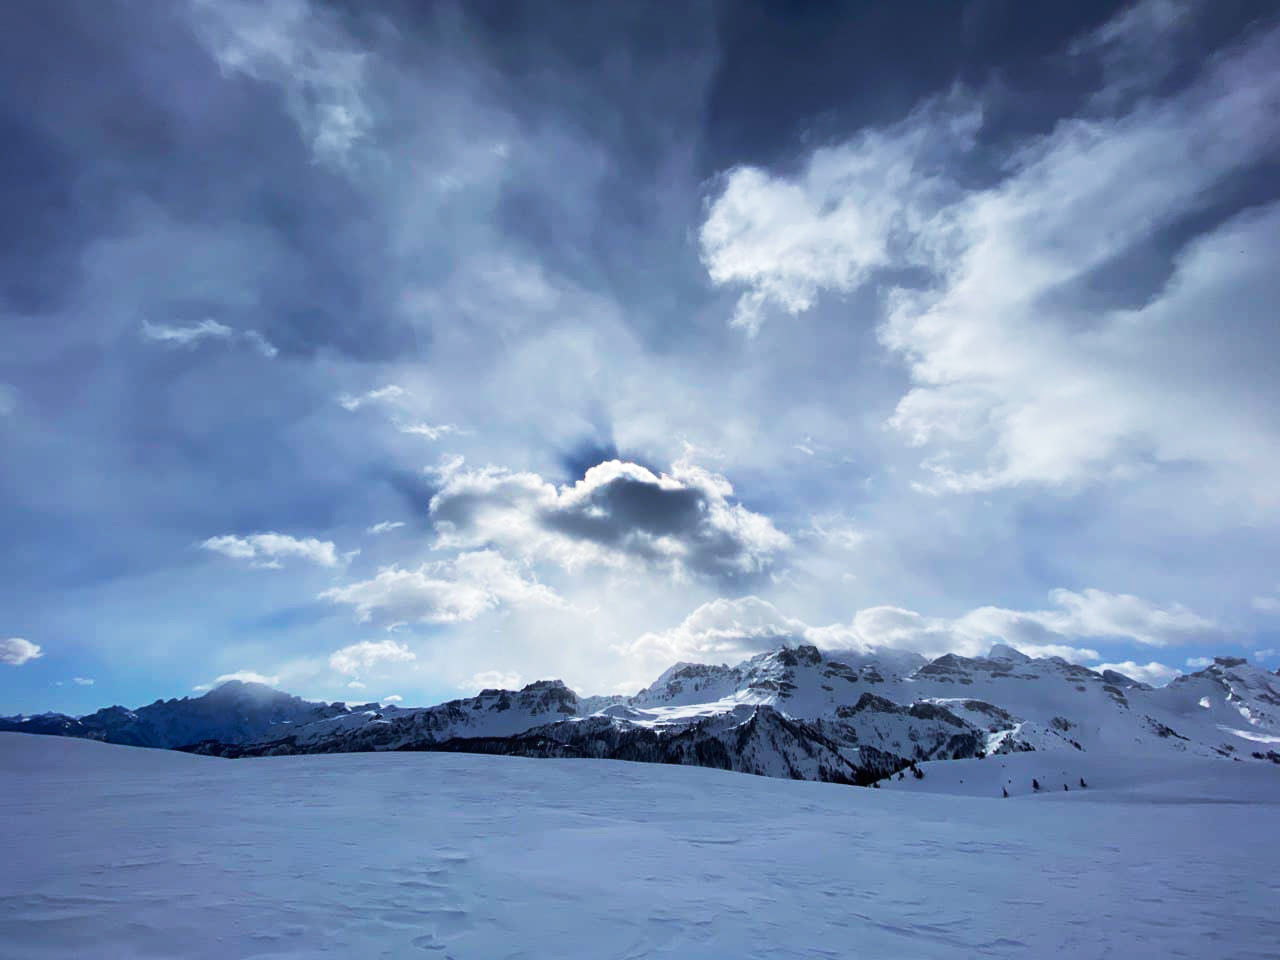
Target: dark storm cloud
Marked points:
795	75
136	138
626	508
684	522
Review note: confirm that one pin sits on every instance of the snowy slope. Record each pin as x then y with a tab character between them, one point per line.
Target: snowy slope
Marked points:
1231	695
116	852
1107	777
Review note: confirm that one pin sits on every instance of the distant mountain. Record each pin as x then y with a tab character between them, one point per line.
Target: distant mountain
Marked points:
233	712
847	717
492	713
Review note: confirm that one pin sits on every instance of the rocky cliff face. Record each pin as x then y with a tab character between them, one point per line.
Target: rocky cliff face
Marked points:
750	739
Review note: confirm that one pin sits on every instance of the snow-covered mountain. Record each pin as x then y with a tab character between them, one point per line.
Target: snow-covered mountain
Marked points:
747	738
792	712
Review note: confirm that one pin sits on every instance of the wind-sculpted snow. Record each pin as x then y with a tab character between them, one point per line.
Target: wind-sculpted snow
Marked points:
119	852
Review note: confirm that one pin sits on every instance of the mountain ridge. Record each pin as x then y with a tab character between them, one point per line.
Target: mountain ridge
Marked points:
842	716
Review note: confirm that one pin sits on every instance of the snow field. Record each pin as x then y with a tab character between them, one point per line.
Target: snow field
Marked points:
126	853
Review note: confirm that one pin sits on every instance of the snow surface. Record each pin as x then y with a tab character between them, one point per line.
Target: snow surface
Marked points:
122	852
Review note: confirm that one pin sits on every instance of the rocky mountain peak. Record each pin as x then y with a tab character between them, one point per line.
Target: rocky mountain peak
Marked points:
1002	651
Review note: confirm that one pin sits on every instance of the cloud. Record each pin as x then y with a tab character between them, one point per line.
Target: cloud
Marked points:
1267	604
430	431
838	531
243	676
1025	366
356	685
392	698
186	336
733	629
619	513
1018	378
192	336
261	344
1095	613
385	526
722	629
853	209
972	634
269	549
448	591
301	50
1156	674
497	680
369	655
1199	663
83	681
388	394
15	651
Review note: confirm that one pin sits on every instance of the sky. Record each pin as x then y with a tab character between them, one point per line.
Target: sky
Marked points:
399	349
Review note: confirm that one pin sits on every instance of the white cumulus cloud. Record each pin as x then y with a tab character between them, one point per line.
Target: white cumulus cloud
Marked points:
270	549
369	654
448	591
725	629
1018	374
497	680
853	208
15	651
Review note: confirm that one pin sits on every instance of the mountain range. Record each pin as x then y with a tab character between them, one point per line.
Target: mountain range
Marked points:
797	712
